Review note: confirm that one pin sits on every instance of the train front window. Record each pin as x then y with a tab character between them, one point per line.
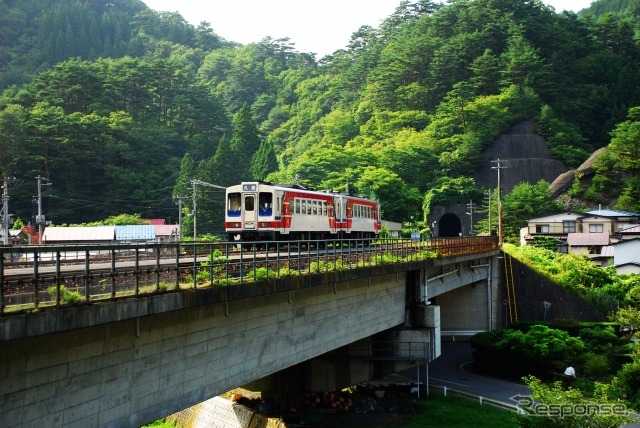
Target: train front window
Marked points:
233	203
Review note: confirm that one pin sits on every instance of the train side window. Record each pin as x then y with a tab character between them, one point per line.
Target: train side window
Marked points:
314	207
265	203
297	206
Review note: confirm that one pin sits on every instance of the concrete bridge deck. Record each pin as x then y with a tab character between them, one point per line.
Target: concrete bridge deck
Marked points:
130	361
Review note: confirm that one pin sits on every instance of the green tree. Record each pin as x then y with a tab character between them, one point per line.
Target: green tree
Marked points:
13	120
244	143
399	202
263	161
579	410
526	201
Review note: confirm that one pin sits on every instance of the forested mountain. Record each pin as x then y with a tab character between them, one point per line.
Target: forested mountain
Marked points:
120	106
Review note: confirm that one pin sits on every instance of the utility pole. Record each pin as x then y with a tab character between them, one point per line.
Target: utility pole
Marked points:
40	219
489	210
5	209
471	206
179	199
201	183
193	212
499	165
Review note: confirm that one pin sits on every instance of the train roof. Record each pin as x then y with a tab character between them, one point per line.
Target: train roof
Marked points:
302	188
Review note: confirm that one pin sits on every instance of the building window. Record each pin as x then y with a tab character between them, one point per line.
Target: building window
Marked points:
542	228
596	228
568	227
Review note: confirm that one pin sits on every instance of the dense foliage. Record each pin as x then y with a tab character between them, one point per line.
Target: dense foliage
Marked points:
603	288
556	406
604	359
121	107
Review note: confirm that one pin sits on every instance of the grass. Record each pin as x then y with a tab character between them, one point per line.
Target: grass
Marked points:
434	412
439	411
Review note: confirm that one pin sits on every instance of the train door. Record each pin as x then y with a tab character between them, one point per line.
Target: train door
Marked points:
249	213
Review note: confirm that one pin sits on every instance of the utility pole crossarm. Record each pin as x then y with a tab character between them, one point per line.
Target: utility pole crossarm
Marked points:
195	182
204	183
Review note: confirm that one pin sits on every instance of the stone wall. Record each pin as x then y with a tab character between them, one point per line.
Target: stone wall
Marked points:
526	156
532	290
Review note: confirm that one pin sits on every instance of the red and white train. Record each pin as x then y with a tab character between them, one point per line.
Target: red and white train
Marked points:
257	211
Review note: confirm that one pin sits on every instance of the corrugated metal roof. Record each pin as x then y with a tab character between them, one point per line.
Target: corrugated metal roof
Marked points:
631	230
586	239
80	233
146	232
613	213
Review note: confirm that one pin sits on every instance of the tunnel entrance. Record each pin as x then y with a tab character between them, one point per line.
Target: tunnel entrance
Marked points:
449	226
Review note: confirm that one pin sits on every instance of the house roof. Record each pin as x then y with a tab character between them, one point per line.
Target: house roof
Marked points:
630	241
155	221
566	214
612	213
631	230
586	239
81	233
144	232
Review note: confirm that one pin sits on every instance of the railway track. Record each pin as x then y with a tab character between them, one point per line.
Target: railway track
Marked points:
49	276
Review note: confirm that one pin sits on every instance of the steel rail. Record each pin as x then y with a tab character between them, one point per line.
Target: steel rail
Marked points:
33	277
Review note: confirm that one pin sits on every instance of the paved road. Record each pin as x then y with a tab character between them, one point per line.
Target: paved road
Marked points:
451	369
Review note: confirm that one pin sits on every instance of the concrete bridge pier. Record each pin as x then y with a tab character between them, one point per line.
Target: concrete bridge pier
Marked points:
365	360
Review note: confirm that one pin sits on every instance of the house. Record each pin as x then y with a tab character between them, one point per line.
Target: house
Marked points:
628	233
590	245
395	229
626	256
167	232
621	219
561	225
16	236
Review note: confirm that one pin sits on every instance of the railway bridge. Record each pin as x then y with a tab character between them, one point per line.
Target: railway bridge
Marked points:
123	336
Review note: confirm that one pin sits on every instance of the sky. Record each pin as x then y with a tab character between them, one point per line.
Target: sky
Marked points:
318	26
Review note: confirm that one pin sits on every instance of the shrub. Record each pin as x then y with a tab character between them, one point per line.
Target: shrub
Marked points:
66	296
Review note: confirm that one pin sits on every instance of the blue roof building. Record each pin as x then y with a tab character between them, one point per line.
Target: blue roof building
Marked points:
136	233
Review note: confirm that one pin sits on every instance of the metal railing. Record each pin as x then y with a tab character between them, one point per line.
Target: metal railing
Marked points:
32	277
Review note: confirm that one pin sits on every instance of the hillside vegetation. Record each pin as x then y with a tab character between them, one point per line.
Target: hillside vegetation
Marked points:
120	106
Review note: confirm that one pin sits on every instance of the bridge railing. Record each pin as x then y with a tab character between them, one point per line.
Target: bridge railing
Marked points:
37	276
